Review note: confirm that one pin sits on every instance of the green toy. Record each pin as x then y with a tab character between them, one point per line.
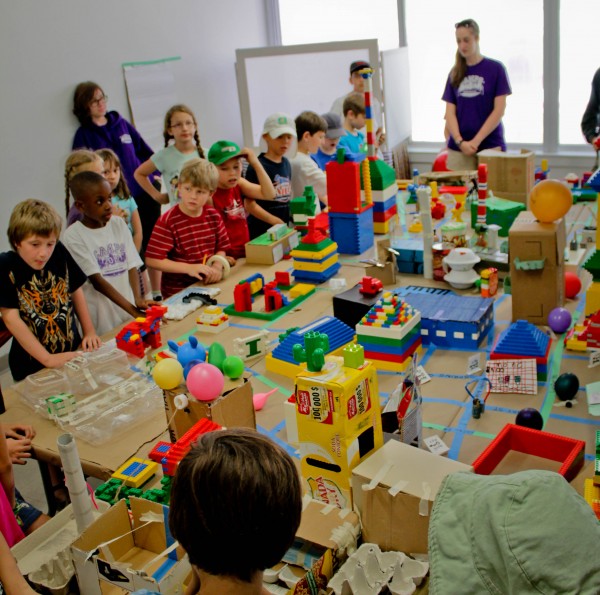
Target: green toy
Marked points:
316	344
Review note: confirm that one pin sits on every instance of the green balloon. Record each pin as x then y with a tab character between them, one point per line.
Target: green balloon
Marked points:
217	355
233	366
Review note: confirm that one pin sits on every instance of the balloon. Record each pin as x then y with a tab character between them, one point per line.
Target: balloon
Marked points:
566	386
190	365
572	285
550	200
559	320
205	382
530	418
217	355
168	373
259	400
233	366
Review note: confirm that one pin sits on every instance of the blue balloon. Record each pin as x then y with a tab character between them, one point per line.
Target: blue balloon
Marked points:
190	365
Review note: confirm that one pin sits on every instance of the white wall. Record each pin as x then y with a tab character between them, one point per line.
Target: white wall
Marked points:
46	48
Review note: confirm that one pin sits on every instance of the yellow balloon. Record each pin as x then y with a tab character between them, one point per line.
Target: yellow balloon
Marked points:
168	373
550	200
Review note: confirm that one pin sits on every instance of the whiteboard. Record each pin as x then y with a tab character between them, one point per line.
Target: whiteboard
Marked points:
295	78
396	96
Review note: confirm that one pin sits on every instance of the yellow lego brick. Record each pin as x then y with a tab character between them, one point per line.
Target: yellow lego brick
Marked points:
300	289
592	298
314	266
136	472
592	495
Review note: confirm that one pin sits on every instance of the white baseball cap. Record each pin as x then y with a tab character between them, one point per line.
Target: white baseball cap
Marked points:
278	124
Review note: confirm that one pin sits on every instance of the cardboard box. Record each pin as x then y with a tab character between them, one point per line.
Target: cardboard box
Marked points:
261	250
394	491
536	291
510	175
136	559
233	409
339	425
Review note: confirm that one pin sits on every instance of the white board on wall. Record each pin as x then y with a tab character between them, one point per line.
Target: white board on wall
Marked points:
295	78
396	95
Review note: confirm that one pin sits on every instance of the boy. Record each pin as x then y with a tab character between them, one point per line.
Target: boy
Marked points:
328	149
228	198
103	247
189	233
354	119
358	86
236	504
311	129
278	132
42	293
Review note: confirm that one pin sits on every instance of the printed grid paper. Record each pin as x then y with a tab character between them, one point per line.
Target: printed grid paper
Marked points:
512	376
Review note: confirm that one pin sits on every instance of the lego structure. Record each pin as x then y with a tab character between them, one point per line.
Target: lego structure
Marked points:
143	332
339	424
450	320
586	335
136	472
523	340
275	302
114	490
351	305
409	258
390	332
212	320
281	359
316	256
499	211
252	346
568	451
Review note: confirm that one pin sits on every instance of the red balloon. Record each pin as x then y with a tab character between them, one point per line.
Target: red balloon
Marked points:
572	285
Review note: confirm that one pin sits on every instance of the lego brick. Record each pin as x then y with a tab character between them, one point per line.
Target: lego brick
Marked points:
301	289
315	266
352	233
315	255
382	196
382	175
317	277
307	247
343	187
522	339
499	211
272	315
386	205
384	216
387	343
381	228
136	472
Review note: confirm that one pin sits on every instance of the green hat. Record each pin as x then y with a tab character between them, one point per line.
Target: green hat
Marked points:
223	150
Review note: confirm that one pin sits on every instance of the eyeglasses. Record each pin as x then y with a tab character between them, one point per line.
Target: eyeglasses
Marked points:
470	23
99	100
187	124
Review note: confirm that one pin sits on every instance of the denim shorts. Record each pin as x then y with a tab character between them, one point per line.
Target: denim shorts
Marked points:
25	513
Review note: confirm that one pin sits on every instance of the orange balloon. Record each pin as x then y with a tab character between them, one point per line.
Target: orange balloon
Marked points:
550	200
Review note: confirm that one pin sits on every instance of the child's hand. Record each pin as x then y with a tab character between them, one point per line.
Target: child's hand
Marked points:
91	342
19	450
18	431
231	260
119	212
57	360
144	304
249	155
202	272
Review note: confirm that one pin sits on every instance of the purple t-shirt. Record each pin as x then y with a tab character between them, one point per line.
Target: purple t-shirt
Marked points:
474	100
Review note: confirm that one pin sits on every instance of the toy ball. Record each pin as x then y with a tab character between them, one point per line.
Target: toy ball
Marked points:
441	162
190	350
530	418
550	200
572	285
559	320
205	382
233	366
566	386
168	373
190	365
217	355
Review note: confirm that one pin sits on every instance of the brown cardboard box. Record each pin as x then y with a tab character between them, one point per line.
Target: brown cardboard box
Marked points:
233	409
118	552
394	490
535	292
260	253
510	175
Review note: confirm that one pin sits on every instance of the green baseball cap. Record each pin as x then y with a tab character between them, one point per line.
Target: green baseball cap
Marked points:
222	151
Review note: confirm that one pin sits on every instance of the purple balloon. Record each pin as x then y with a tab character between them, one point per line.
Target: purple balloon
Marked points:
559	320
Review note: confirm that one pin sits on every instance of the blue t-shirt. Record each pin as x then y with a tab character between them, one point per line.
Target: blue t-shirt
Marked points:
353	143
474	100
322	159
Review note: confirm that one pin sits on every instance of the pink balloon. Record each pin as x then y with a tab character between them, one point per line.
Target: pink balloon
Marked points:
205	382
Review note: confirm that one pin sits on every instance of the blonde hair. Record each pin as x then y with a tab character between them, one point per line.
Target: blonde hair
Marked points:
110	157
32	217
355	102
184	109
75	161
200	173
459	71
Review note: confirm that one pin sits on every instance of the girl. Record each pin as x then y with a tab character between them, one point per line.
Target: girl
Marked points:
182	143
475	97
78	161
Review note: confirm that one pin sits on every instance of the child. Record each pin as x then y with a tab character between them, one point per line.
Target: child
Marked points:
78	161
358	86
354	119
180	127
42	293
236	504
232	187
311	129
103	247
11	579
189	233
121	197
278	132
328	149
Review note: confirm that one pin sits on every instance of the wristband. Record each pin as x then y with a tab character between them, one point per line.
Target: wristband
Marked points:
223	261
460	142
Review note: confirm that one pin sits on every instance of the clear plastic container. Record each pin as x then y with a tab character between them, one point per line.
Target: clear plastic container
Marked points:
38	387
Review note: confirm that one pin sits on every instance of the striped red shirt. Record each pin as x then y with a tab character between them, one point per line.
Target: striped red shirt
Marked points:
181	238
